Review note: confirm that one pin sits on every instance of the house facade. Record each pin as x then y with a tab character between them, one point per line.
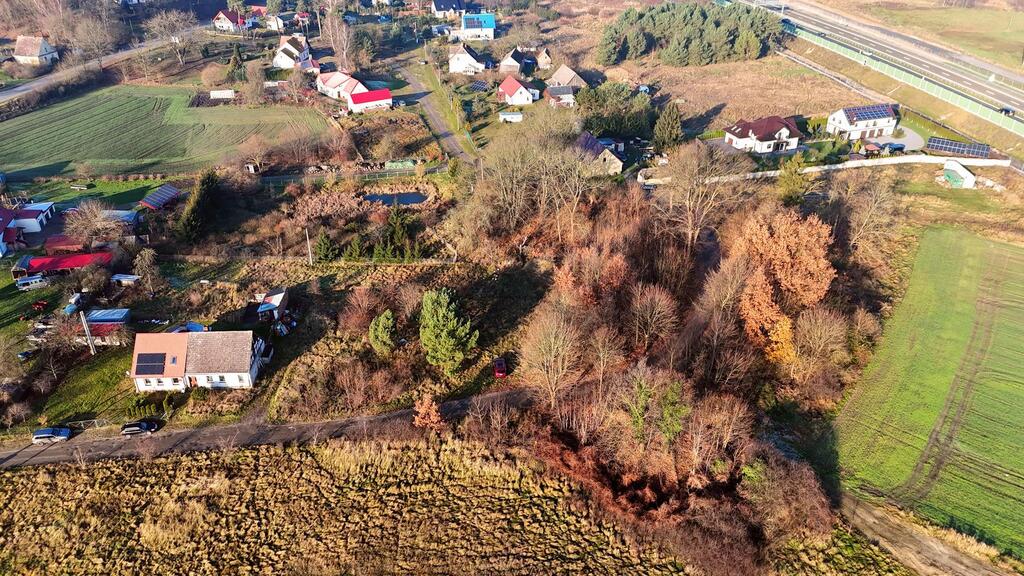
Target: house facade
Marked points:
603	162
566	76
15	223
860	122
447	8
371	100
514	93
339	85
561	96
476	27
512	63
464	60
764	135
34	51
280	22
544	59
230	21
293	52
176	361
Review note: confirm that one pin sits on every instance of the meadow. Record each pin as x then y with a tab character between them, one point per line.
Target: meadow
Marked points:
133	129
935	423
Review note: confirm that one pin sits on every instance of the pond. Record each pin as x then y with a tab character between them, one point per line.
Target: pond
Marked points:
403	198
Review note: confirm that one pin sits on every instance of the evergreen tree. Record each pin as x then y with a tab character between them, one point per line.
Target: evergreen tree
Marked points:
382	334
636	44
700	53
192	221
325	250
354	250
236	65
668	131
445	337
792	184
608	50
273	7
748	47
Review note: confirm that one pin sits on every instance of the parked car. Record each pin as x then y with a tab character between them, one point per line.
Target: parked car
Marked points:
141	427
51	435
895	148
500	368
1008	112
27	354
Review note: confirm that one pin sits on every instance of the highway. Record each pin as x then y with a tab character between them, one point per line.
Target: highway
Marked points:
917	56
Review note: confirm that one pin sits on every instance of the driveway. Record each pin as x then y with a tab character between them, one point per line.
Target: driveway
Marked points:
438	125
912	140
82	448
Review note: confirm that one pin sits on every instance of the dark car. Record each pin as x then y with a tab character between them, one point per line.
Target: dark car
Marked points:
27	355
1007	112
141	427
500	368
896	148
51	435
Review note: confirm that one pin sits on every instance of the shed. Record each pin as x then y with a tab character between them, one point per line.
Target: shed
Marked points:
510	117
108	316
124	279
272	304
161	197
957	175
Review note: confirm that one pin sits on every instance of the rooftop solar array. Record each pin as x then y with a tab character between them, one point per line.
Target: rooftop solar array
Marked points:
162	195
872	112
959	148
150	364
478	86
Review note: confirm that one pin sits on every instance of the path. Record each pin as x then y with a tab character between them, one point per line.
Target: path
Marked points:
83	449
437	122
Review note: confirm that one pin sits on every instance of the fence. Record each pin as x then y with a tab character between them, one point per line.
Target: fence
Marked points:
891	161
926	85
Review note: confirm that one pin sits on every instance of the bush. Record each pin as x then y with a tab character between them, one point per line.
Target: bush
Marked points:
382	334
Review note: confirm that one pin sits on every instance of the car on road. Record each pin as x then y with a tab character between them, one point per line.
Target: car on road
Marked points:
51	435
146	427
500	368
1008	112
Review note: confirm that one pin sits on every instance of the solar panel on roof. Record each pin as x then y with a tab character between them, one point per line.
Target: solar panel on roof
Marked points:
152	357
959	148
150	364
872	112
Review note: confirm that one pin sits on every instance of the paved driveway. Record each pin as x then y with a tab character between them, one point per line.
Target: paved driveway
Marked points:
912	140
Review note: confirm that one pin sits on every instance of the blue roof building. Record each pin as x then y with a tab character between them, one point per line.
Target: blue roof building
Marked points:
476	27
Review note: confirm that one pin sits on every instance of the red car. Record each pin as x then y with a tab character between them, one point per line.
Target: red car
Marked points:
500	368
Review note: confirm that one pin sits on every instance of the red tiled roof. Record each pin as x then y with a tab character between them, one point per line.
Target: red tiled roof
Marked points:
100	330
61	241
68	262
232	16
371	96
764	129
510	86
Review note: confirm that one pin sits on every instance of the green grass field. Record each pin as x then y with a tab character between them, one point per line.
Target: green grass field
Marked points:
117	194
936	422
139	130
976	201
97	389
994	35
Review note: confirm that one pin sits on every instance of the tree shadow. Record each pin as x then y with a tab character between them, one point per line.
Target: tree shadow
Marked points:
699	124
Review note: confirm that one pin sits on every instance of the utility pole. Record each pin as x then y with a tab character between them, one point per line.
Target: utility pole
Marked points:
88	334
309	249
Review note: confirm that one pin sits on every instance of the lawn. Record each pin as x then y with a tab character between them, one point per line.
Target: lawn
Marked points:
117	194
971	201
429	79
994	35
96	389
935	423
14	303
139	130
925	127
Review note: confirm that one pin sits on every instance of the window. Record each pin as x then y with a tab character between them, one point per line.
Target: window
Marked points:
176	380
222	379
241	379
147	382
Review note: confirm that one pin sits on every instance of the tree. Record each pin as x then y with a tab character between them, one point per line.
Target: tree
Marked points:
354	250
255	77
668	130
792	182
747	47
427	414
551	353
236	65
237	6
192	222
255	150
636	44
93	38
446	338
654	314
146	269
91	222
382	334
325	250
176	27
786	498
273	6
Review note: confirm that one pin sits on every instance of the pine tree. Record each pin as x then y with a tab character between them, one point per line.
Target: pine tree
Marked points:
192	221
668	131
274	7
325	250
748	47
236	65
382	334
609	49
445	337
636	44
791	182
354	250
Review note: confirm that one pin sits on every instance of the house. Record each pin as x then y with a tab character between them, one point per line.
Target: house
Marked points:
447	8
293	52
61	244
510	117
515	93
476	27
464	60
566	76
859	122
111	316
602	160
561	96
544	60
302	18
102	334
273	304
180	360
50	265
374	99
23	218
34	51
161	197
258	10
230	21
129	219
339	85
281	22
764	135
512	63
11	236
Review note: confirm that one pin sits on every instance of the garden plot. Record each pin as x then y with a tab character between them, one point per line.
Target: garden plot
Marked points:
936	423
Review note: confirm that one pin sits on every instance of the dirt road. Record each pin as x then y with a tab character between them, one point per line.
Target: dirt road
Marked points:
85	449
438	125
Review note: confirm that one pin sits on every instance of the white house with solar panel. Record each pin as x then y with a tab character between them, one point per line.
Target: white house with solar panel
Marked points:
862	122
176	361
475	27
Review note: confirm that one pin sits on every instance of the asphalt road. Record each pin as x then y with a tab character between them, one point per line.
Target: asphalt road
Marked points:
928	60
83	448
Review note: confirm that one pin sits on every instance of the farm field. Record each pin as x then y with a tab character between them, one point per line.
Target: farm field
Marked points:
117	194
935	424
139	130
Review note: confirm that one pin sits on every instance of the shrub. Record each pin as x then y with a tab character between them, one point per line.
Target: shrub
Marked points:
382	334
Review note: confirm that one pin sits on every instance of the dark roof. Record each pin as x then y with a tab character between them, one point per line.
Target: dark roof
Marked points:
870	112
516	55
466	49
446	5
764	129
219	352
561	90
590	145
158	198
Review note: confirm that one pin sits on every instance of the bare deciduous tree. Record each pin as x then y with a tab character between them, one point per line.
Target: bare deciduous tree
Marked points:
177	28
551	354
92	222
654	314
255	150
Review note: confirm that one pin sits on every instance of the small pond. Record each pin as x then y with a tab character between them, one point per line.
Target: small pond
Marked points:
403	198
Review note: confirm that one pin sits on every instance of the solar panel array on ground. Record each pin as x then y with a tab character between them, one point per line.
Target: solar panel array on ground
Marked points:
161	196
479	86
948	146
872	112
150	364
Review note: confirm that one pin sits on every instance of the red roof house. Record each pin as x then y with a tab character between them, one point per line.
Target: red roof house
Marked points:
61	243
363	101
230	21
771	134
514	93
32	265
